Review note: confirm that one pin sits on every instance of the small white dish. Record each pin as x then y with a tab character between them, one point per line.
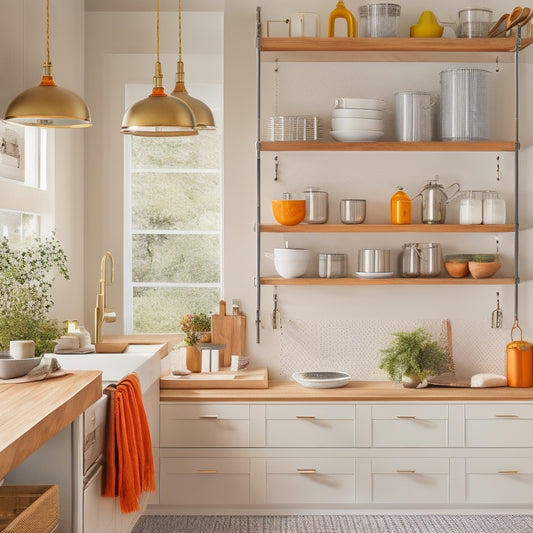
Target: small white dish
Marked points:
350	136
360	103
322	380
374	275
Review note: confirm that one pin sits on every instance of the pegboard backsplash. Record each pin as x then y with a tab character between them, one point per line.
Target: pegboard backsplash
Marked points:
353	346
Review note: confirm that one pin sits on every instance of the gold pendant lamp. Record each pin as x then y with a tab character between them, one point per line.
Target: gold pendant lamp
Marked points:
47	105
159	115
202	113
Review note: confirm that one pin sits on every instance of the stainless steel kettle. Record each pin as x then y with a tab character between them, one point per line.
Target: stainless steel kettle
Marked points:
434	200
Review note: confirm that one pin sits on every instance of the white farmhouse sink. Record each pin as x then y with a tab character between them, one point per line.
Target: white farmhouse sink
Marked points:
144	359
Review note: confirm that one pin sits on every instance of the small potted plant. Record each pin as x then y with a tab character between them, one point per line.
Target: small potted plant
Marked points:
412	356
197	328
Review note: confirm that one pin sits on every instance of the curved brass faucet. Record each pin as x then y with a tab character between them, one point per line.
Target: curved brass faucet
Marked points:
102	313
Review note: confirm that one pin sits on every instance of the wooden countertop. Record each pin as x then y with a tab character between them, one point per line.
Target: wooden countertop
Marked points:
32	413
360	391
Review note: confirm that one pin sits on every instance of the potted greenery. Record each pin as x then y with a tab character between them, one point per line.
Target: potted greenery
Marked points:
410	357
197	328
26	276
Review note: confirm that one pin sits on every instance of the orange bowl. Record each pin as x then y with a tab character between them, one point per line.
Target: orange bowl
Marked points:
456	269
483	270
288	212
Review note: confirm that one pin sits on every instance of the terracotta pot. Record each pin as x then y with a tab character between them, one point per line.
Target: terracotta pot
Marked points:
483	270
193	358
456	269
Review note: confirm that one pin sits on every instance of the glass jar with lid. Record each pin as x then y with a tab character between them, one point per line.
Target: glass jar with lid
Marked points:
494	209
471	208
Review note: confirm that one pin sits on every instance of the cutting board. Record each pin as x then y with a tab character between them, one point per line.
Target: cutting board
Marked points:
248	378
229	330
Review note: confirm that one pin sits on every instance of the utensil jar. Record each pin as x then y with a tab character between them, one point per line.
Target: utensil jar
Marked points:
413	113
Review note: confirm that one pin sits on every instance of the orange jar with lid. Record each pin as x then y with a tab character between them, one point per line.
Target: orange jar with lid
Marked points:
520	364
400	207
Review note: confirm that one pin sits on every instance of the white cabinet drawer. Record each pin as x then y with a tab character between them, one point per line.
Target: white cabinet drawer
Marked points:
204	426
499	480
406	425
204	481
410	480
308	425
310	480
498	411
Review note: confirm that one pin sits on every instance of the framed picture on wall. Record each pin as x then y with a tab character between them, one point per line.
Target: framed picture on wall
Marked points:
12	164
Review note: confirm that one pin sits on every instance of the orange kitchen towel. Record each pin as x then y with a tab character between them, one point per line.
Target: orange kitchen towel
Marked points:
129	448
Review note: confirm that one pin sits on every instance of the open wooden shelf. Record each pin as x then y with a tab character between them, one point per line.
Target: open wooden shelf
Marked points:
388	146
389	49
388	228
276	280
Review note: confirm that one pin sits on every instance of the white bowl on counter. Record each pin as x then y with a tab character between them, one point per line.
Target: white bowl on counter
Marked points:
322	380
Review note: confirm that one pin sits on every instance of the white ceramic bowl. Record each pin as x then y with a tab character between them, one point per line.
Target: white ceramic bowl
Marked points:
322	380
373	124
356	113
291	262
351	136
360	103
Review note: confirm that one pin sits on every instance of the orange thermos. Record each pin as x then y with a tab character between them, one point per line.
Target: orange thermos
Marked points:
400	207
519	363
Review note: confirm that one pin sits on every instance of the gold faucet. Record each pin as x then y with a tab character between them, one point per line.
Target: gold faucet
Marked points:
102	313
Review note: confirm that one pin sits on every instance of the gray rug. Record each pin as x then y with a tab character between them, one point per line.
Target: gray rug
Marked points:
337	524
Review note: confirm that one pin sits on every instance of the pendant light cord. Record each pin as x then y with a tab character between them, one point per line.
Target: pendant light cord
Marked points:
47	62
158	78
157	31
179	30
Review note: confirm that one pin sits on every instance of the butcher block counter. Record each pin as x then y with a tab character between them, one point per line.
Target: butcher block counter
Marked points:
360	391
32	413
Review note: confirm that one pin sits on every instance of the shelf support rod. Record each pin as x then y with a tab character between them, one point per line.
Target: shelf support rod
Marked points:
517	171
258	183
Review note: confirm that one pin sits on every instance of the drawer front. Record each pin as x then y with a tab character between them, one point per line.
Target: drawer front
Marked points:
499	480
409	411
499	432
409	432
204	426
204	481
310	425
410	480
310	481
498	411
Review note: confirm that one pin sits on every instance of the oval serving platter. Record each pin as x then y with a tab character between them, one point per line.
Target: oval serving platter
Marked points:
322	380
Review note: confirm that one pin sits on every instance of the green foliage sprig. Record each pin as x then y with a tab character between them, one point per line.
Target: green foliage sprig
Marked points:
194	324
26	277
414	353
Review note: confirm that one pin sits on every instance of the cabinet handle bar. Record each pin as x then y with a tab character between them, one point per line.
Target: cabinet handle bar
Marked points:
209	416
207	471
306	470
506	416
406	471
305	417
406	417
507	471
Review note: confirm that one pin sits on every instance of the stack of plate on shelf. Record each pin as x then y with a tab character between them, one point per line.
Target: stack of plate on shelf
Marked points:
357	120
292	128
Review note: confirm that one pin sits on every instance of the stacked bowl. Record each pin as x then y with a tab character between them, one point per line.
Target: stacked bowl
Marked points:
357	120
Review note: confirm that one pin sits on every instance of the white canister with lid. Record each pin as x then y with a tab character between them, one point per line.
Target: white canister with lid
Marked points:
494	210
316	206
471	208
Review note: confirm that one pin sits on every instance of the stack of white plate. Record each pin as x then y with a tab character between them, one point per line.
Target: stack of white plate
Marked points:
357	120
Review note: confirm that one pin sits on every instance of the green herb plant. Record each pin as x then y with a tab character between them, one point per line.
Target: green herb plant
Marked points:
414	354
26	277
193	325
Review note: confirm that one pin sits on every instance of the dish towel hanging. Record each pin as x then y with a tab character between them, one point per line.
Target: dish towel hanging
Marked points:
129	469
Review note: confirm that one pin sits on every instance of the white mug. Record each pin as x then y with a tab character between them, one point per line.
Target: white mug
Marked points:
22	349
303	25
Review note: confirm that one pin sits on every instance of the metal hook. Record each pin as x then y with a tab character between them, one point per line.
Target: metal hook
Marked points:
276	168
497	64
498	170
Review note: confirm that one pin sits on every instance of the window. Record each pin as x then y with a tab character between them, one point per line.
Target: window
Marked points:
173	227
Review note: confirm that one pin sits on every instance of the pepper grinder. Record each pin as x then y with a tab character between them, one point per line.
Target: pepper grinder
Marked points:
497	315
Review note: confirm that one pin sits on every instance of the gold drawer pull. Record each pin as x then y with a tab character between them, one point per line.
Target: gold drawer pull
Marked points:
507	471
305	417
507	416
406	417
306	470
209	416
207	471
406	471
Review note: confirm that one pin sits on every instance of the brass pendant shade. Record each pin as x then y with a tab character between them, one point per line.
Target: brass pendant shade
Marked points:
47	105
202	114
159	115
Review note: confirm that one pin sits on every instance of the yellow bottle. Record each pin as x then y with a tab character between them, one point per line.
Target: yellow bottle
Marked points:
341	11
400	207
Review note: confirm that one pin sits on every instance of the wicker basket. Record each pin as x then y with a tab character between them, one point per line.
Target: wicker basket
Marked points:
25	508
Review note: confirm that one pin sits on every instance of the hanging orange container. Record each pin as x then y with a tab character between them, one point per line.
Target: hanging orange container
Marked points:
519	362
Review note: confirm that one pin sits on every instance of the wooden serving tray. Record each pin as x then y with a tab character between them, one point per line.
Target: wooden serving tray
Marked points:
248	378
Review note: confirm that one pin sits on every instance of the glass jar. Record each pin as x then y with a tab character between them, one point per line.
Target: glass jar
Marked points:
471	208
493	208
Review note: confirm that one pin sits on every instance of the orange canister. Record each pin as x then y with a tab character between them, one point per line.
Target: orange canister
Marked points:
520	364
400	207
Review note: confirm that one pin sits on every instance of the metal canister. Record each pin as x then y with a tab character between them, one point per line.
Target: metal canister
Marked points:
410	260
519	362
316	206
332	265
430	259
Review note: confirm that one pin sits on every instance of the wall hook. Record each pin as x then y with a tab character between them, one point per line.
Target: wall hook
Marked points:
498	169
497	64
276	168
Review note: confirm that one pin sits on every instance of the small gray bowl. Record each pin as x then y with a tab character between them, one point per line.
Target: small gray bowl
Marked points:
15	368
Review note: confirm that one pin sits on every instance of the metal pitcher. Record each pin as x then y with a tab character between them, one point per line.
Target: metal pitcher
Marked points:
434	200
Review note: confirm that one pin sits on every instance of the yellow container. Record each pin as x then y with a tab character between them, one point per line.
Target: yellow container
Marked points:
400	207
342	12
